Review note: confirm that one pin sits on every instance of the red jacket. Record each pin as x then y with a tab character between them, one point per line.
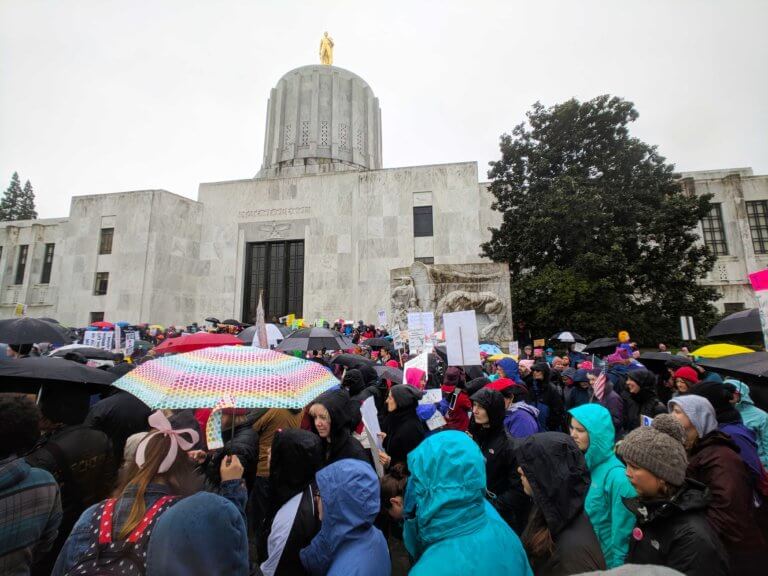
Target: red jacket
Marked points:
458	418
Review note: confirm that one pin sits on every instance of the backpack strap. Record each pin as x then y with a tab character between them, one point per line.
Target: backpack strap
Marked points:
105	521
157	508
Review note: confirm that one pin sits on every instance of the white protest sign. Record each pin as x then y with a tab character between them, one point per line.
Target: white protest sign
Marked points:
579	347
431	396
118	334
421	362
396	337
514	348
99	339
461	339
382	317
436	421
130	343
371	421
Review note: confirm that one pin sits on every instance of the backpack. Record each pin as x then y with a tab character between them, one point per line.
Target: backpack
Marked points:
129	557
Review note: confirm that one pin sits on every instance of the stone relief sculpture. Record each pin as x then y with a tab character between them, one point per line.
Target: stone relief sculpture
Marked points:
483	288
326	50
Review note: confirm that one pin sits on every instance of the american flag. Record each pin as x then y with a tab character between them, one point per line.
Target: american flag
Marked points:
599	385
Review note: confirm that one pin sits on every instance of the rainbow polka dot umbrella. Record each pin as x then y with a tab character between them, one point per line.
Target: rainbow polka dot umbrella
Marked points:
251	377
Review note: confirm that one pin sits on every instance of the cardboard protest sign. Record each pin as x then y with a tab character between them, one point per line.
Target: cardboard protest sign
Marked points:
382	317
421	362
461	339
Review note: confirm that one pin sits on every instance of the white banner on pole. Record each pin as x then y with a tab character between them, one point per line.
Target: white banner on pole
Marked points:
461	339
99	339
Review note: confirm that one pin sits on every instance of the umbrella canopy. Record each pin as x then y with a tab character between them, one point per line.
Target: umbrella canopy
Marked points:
27	375
389	373
252	377
53	320
274	335
212	320
143	345
352	360
746	366
568	337
196	341
500	356
602	345
284	330
90	352
233	322
315	339
490	349
657	361
102	324
376	343
31	331
742	322
720	350
123	324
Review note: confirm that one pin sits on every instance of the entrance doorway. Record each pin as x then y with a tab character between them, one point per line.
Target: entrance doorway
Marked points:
276	269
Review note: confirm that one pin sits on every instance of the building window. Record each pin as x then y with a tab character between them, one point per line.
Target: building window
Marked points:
47	264
731	307
422	221
21	264
97	317
101	283
714	231
758	225
105	242
425	260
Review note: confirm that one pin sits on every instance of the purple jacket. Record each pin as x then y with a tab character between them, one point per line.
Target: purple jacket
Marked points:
522	420
745	439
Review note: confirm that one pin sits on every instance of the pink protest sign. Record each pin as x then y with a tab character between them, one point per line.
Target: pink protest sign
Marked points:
759	280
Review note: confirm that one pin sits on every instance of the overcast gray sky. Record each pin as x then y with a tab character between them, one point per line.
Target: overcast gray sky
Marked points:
106	96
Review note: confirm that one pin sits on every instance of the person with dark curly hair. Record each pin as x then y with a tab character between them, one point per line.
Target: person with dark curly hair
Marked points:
30	505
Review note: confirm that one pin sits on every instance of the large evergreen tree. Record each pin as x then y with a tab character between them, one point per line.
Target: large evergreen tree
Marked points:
18	203
10	202
596	230
27	203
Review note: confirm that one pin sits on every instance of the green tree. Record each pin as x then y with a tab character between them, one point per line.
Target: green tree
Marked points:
10	202
26	208
596	230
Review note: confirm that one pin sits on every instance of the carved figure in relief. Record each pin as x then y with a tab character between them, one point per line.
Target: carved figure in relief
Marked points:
403	299
326	50
486	303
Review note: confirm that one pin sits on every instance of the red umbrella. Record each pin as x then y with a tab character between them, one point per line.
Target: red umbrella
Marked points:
102	324
196	341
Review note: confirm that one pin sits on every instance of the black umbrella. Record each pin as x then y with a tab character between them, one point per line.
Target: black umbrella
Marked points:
315	339
389	373
86	351
742	322
26	375
233	322
352	360
284	330
212	320
751	365
31	331
601	345
52	320
377	343
658	361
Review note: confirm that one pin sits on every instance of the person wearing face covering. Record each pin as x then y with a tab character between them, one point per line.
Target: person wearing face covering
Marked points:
713	460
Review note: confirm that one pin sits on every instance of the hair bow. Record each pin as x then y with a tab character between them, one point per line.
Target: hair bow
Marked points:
161	425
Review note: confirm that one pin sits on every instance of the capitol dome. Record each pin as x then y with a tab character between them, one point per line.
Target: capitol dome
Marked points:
321	119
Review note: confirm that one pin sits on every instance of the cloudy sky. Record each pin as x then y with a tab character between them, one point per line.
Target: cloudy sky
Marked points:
106	96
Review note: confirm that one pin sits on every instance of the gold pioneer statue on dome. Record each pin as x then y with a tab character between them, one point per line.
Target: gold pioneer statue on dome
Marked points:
326	50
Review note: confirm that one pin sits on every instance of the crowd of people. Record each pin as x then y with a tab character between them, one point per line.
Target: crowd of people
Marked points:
546	464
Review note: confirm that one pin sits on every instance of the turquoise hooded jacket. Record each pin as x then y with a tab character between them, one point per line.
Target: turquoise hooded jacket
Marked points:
612	521
450	528
753	418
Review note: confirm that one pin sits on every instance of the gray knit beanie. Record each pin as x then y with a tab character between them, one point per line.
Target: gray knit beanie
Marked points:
658	448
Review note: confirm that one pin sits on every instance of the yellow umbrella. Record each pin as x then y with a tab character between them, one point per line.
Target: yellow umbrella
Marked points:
720	350
497	357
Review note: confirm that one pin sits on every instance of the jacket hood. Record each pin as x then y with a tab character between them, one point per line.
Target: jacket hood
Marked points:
597	421
344	412
542	367
445	496
525	407
511	369
406	396
413	376
645	379
354	382
296	457
743	391
493	402
699	411
558	475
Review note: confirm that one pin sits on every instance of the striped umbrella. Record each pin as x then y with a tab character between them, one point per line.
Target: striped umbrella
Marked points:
225	377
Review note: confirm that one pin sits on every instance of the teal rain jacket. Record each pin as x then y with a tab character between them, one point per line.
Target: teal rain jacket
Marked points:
753	418
450	528
612	521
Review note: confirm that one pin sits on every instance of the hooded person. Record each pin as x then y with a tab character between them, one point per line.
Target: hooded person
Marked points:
640	398
354	383
729	421
450	527
403	428
752	417
504	488
333	416
559	537
508	368
715	462
348	544
291	520
592	430
457	413
521	419
672	527
544	396
581	392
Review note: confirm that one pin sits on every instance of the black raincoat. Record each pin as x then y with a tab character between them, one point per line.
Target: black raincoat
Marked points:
345	416
505	490
404	431
559	479
644	403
